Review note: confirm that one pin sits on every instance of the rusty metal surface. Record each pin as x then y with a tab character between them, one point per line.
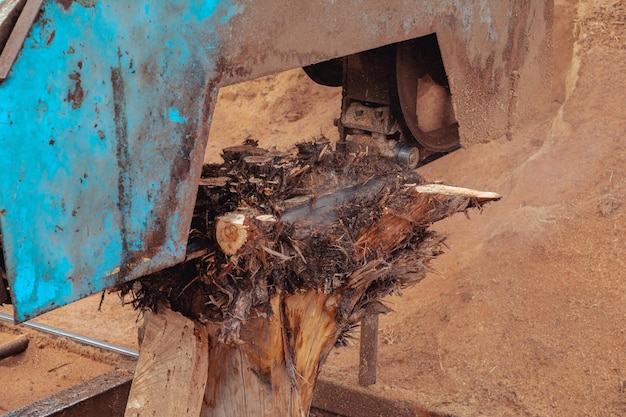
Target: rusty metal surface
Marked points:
105	114
368	350
102	396
371	119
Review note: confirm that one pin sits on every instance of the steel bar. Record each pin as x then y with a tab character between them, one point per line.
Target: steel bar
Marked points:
368	352
76	337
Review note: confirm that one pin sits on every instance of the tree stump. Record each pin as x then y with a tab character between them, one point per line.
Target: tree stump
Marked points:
286	256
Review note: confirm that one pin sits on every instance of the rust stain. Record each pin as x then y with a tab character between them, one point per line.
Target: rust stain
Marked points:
78	94
51	37
124	182
515	52
161	219
147	69
156	235
85	3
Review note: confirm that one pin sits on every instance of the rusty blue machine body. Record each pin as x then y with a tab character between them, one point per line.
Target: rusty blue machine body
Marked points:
105	109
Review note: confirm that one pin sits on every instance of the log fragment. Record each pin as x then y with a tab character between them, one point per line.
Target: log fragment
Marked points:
292	253
13	346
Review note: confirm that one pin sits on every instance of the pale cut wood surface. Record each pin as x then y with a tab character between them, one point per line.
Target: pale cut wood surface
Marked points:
460	191
171	373
231	232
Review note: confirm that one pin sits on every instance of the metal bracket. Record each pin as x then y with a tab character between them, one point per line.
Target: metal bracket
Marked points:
369	119
16	19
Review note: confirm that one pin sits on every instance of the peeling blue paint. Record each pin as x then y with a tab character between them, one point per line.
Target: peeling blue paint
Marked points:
233	9
94	173
468	17
485	17
175	116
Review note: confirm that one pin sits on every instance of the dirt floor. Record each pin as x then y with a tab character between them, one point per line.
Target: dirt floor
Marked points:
523	314
47	366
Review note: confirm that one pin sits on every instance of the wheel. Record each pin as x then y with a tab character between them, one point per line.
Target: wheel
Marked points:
418	62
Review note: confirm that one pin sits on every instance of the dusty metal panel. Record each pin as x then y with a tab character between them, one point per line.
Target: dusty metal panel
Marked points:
104	115
496	53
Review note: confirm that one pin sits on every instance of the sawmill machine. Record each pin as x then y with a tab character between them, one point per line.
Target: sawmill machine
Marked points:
106	105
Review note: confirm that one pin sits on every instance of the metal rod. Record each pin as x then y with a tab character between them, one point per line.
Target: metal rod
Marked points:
368	351
76	337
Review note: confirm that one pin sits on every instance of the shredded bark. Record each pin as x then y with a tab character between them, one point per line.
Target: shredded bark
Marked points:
314	208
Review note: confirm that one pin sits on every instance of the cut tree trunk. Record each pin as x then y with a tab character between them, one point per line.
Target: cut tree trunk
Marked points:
276	277
272	371
14	346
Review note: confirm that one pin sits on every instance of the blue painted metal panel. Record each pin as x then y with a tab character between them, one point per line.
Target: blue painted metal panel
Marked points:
103	122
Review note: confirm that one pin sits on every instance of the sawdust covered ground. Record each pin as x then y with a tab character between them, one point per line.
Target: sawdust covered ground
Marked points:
525	314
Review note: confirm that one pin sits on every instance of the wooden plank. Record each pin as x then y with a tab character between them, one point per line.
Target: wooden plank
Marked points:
9	12
17	37
171	373
102	396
